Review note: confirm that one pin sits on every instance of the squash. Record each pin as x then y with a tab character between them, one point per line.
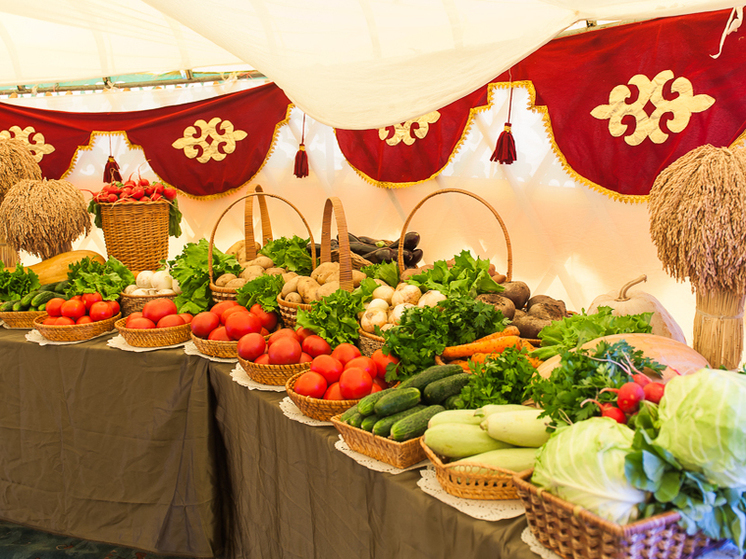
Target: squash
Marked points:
55	269
638	302
679	358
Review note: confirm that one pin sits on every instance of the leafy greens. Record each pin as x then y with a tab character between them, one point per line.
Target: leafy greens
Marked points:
385	271
467	276
263	290
14	284
289	253
90	276
501	379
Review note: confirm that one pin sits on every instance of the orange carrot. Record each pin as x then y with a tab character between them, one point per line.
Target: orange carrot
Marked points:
494	345
509	331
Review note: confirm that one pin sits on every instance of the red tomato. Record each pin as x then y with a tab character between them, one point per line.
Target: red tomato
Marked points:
53	307
140	323
219	335
115	308
220	307
303	333
355	383
333	392
284	351
90	298
305	358
365	363
238	324
378	381
76	298
251	346
204	323
375	388
158	308
132	316
282	333
230	310
186	316
269	319
100	310
64	321
263	359
73	309
382	361
316	345
329	367
85	319
50	320
310	384
169	321
345	353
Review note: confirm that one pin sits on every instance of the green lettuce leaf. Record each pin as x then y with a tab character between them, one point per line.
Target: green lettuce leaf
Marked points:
289	253
468	276
16	283
263	290
108	279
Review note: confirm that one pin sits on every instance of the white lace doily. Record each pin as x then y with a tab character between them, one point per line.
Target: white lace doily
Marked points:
4	325
291	410
483	510
372	463
120	343
36	337
238	374
191	349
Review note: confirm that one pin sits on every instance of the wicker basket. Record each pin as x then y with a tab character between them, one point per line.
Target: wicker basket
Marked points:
136	233
135	303
74	332
473	482
400	455
216	348
316	408
227	293
289	311
273	375
369	343
573	532
21	320
153	337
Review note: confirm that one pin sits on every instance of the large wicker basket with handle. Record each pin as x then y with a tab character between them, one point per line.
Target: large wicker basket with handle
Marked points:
136	233
226	293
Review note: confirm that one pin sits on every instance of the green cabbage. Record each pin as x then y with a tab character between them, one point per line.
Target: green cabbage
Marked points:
584	465
703	424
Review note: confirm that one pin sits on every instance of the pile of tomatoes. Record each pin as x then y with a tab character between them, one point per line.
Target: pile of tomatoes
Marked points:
158	313
228	321
283	347
79	309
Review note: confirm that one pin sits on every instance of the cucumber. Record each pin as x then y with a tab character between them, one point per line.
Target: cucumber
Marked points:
26	299
459	440
368	422
348	413
8	305
42	297
513	459
397	400
431	374
62	286
356	419
519	428
42	307
436	392
366	406
383	427
414	425
17	306
48	286
456	416
454	402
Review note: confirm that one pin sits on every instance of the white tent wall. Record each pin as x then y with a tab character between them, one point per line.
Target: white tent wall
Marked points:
568	241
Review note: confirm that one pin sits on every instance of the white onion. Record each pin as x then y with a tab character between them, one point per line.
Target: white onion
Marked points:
175	286
144	278
161	280
129	289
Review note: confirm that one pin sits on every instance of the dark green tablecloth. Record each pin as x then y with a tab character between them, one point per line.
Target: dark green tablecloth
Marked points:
294	495
109	445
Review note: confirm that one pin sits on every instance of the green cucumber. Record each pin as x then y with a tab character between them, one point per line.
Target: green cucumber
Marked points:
17	307
383	427
48	286
459	440
62	286
431	374
454	402
349	412
8	305
397	400
42	307
26	299
356	419
366	406
414	425
436	392
368	422
42	297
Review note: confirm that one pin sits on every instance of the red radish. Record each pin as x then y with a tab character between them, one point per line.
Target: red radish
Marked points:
614	413
641	379
144	199
138	192
654	392
629	397
155	197
159	188
112	198
169	193
143	182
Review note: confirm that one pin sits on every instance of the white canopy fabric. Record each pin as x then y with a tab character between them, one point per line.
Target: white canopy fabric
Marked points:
348	64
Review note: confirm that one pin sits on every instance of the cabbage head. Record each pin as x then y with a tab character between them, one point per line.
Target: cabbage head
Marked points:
584	464
703	424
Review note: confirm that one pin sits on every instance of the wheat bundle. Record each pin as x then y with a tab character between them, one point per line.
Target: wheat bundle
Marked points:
698	224
16	163
44	217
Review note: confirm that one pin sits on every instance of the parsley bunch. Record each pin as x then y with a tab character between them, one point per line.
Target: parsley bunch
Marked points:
501	379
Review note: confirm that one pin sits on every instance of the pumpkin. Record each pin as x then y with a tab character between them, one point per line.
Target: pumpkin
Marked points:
54	269
679	358
638	302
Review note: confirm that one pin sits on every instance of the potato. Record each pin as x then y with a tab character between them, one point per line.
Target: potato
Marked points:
408	273
224	279
236	247
324	269
290	286
516	291
530	326
502	304
293	297
275	271
263	261
498	277
357	277
236	283
252	271
287	276
327	289
307	288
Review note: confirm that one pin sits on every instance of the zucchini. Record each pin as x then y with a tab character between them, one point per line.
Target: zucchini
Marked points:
459	440
42	297
489	409
397	400
368	422
383	427
456	416
519	428
431	374
513	459
26	299
414	425
348	413
436	392
366	406
356	419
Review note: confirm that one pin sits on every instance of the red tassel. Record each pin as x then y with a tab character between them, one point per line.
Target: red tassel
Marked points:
505	150
111	171
301	162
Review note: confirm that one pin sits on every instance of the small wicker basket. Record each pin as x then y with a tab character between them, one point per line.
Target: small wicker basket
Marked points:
154	337
216	348
136	233
135	303
400	455
20	320
368	343
316	408
573	532
273	375
74	332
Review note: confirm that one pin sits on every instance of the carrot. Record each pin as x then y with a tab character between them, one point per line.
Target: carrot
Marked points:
509	331
494	345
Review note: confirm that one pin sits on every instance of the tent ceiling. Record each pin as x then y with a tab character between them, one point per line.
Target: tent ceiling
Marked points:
349	64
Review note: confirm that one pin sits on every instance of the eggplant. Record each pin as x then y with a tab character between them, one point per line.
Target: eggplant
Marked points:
416	257
411	240
381	255
372	241
362	248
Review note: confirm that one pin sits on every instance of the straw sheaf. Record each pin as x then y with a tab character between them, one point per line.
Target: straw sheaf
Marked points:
698	218
16	163
43	217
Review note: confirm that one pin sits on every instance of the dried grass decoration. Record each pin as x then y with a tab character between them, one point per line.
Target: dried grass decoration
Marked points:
698	222
44	217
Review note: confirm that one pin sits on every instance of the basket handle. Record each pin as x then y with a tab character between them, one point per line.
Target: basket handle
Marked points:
400	257
345	262
250	246
253	194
